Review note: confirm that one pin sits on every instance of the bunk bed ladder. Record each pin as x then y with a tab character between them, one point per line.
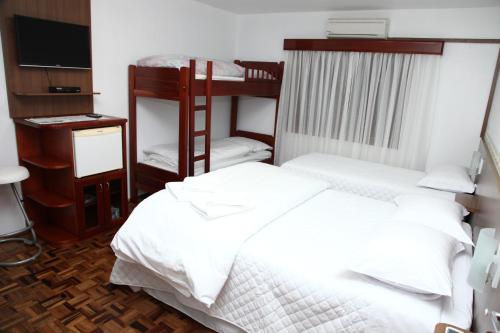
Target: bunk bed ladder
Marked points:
193	108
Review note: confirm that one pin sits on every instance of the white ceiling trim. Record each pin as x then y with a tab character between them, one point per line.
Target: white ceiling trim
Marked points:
277	6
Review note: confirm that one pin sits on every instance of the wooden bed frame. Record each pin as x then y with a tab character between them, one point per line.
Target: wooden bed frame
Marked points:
262	79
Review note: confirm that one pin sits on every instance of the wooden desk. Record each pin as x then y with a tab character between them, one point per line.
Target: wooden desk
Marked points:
66	209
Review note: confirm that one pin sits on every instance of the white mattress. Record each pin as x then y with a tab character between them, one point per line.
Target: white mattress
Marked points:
222	70
364	178
292	277
220	78
214	164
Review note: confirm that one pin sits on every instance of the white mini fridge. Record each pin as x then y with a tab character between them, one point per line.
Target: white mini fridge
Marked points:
97	150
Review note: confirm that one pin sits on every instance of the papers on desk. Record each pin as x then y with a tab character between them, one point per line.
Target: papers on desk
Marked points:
61	120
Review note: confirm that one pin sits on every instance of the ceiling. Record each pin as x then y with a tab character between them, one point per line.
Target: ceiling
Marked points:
276	6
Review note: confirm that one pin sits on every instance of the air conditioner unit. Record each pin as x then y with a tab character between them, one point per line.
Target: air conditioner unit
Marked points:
357	28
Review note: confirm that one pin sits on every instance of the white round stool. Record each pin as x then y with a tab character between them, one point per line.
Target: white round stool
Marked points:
10	176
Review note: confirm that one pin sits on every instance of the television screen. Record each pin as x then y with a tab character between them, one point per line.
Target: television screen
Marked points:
43	43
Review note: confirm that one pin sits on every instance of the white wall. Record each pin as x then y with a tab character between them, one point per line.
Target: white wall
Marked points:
466	76
260	36
122	32
125	31
467	69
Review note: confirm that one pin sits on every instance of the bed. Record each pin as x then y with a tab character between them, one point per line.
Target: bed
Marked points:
374	180
182	79
223	153
302	284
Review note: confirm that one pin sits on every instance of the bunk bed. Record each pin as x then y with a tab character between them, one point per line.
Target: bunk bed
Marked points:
183	84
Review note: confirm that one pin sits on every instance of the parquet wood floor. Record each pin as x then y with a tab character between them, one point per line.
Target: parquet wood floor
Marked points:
67	290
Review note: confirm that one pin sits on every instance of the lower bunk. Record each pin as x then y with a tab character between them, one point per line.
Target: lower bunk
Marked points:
160	163
291	263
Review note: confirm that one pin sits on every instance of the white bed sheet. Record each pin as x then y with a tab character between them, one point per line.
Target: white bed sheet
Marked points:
300	283
363	178
214	165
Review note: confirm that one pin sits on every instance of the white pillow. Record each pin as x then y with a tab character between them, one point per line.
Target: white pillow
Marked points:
253	145
412	257
451	178
440	214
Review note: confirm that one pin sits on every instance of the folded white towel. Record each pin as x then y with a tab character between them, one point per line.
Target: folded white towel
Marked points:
187	192
206	200
215	206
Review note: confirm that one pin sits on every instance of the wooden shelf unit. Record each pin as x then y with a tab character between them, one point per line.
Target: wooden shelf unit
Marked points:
48	231
52	192
49	199
28	87
47	162
54	197
47	94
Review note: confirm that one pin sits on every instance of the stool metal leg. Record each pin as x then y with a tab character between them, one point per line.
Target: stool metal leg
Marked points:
7	238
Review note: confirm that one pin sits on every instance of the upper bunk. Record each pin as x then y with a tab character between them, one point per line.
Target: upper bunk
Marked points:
152	78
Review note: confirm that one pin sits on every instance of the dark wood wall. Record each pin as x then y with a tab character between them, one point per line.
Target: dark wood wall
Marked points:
27	87
487	215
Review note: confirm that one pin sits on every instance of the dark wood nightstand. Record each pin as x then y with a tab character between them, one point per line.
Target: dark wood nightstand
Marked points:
469	201
441	328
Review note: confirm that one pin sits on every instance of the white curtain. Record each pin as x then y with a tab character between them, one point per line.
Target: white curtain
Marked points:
370	106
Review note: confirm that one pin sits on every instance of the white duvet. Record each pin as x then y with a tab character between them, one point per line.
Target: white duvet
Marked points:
374	180
195	255
292	277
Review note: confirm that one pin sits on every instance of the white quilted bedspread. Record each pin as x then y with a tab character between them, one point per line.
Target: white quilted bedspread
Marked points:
292	277
194	254
373	180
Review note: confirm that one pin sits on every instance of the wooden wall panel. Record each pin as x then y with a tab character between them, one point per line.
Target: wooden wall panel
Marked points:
488	215
35	80
494	84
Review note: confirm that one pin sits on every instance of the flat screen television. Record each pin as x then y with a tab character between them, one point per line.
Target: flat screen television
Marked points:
44	43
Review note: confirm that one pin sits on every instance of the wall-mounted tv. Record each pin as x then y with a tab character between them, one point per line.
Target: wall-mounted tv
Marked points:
44	43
